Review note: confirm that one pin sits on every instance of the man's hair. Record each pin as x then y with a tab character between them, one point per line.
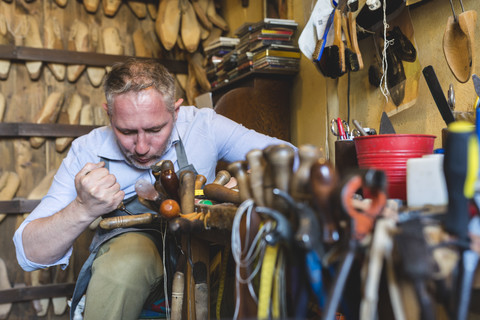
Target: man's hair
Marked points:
137	75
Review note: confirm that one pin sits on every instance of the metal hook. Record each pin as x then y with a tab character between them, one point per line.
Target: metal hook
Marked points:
453	11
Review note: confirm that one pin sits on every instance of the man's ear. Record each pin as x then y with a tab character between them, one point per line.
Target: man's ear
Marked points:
177	106
105	107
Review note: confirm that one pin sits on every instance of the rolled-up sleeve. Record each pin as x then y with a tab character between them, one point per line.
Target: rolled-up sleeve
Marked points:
61	193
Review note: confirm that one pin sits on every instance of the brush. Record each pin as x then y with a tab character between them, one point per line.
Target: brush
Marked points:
321	52
201	290
352	26
320	45
337	52
178	287
350	55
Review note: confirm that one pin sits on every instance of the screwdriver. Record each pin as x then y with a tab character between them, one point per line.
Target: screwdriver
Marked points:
461	171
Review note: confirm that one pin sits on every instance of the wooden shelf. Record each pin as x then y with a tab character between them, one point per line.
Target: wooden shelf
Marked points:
22	129
18	206
11	52
258	99
37	292
254	74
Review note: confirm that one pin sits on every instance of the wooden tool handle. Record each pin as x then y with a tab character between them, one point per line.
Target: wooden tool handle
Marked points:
187	191
300	184
352	26
177	295
125	221
238	169
222	177
280	159
200	181
171	183
256	162
221	193
323	181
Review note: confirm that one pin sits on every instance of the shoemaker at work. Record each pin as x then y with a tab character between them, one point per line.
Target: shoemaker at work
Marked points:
100	171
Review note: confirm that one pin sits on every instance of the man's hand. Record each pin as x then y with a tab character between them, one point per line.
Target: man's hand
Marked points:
97	190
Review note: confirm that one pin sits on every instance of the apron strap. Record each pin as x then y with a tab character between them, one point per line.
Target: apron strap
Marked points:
182	158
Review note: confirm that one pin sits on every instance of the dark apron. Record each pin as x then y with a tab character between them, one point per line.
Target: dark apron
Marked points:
101	236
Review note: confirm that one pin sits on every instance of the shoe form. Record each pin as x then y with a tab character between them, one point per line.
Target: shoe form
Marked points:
404	48
395	77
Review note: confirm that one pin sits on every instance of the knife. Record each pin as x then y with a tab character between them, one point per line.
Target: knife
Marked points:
386	126
437	94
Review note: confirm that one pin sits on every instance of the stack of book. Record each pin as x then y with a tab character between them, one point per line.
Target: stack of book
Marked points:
218	53
270	42
267	44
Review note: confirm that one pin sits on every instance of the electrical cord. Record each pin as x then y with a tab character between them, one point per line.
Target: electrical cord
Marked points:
245	256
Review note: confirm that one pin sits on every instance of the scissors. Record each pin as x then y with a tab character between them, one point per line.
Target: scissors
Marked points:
339	128
361	224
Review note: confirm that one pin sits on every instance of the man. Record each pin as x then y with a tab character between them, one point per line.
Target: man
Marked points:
100	171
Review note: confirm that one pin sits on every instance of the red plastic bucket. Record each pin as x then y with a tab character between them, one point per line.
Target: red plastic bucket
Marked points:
390	152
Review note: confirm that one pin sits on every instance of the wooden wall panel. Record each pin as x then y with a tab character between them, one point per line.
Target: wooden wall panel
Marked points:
25	98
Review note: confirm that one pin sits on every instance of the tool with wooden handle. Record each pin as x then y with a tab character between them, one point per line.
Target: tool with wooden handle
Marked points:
437	94
171	184
200	181
148	195
460	167
417	263
256	162
127	221
323	181
201	290
238	169
281	159
300	184
221	193
222	177
157	173
187	191
121	206
178	287
268	183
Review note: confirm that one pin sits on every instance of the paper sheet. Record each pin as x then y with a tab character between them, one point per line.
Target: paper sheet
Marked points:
315	28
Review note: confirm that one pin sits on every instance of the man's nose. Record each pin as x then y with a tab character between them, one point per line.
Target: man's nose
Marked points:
142	146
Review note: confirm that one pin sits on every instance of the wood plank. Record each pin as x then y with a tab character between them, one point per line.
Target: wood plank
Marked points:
22	53
20	129
38	292
18	206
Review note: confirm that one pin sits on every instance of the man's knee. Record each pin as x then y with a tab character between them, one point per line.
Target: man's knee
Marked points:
129	256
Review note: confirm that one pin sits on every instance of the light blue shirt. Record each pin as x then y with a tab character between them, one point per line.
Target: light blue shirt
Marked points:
207	138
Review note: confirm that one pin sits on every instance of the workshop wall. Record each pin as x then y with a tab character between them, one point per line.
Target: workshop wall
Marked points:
312	92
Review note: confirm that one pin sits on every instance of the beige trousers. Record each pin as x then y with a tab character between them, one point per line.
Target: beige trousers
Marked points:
125	272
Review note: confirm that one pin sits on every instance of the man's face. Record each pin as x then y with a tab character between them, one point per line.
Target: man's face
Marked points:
142	125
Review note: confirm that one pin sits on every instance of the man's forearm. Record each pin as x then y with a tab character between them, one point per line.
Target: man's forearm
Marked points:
46	240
